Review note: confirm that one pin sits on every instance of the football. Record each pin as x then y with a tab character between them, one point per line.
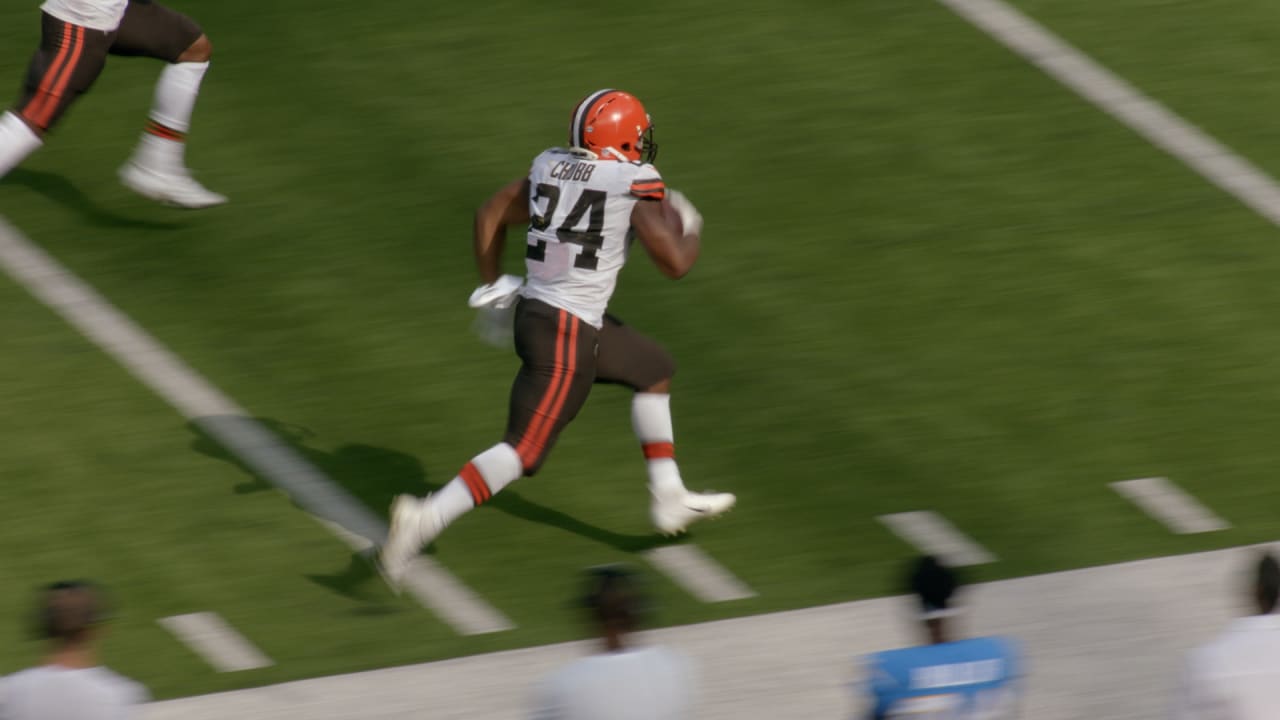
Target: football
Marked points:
681	213
672	215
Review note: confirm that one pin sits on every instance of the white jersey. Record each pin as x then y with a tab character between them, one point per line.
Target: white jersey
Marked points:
643	684
50	692
1235	677
580	229
102	15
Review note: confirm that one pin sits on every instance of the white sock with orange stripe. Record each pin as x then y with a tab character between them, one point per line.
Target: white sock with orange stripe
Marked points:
479	480
163	146
17	141
651	420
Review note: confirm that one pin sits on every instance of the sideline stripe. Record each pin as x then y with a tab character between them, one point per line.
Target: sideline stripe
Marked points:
1090	637
217	415
697	573
1171	505
213	639
931	533
1163	128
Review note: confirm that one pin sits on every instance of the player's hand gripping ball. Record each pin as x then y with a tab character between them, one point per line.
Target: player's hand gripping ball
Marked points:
687	218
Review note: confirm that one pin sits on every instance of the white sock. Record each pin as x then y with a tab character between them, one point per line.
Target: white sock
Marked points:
651	420
17	141
163	146
176	95
479	480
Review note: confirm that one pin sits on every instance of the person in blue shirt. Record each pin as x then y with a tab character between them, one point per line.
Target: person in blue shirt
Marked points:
949	678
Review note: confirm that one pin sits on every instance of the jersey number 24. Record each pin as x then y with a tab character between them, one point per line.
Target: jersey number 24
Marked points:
590	239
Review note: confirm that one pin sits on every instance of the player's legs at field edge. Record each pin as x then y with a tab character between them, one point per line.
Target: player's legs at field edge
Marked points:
557	352
628	357
65	65
158	168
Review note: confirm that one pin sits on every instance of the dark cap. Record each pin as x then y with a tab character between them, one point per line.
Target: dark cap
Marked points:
68	609
1268	583
934	584
613	596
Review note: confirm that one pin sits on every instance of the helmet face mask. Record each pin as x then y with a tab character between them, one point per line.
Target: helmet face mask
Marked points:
648	147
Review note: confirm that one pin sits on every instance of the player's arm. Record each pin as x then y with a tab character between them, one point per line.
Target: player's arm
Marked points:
673	251
508	206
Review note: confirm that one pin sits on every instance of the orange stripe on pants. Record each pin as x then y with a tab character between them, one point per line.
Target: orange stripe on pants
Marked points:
45	116
539	415
43	95
544	431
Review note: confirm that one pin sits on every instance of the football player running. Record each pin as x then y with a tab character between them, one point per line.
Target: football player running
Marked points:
76	38
583	205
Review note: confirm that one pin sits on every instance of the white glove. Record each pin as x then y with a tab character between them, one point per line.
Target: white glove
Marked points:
495	327
689	215
496	305
499	294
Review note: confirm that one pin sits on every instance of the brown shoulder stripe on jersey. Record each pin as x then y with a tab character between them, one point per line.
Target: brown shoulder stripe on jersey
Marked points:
656	192
649	187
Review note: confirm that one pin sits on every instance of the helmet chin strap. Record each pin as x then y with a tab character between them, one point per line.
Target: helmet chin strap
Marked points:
608	152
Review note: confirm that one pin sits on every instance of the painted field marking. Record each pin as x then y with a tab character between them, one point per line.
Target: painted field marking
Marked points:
1171	505
156	367
696	572
931	533
213	639
1090	636
1163	128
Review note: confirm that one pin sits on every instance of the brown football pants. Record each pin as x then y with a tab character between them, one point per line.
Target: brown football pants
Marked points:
562	357
71	57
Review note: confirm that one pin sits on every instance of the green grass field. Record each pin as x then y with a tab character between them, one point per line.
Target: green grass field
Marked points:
932	279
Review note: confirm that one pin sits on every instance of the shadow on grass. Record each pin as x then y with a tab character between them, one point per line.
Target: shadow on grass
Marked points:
65	193
375	476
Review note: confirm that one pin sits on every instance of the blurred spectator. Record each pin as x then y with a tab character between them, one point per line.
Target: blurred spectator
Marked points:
70	684
1237	676
622	682
948	679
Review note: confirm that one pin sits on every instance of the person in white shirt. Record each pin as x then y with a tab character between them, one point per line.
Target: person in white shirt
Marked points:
70	684
623	682
1237	675
76	38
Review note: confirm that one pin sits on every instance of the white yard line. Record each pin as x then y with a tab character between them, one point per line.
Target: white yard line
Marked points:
1171	505
695	571
217	415
213	639
929	532
1163	128
1103	642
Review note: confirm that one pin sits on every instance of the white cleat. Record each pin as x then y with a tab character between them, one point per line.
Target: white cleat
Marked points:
674	514
413	525
175	188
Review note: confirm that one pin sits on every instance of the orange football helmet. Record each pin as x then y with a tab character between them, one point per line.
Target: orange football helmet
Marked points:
612	123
